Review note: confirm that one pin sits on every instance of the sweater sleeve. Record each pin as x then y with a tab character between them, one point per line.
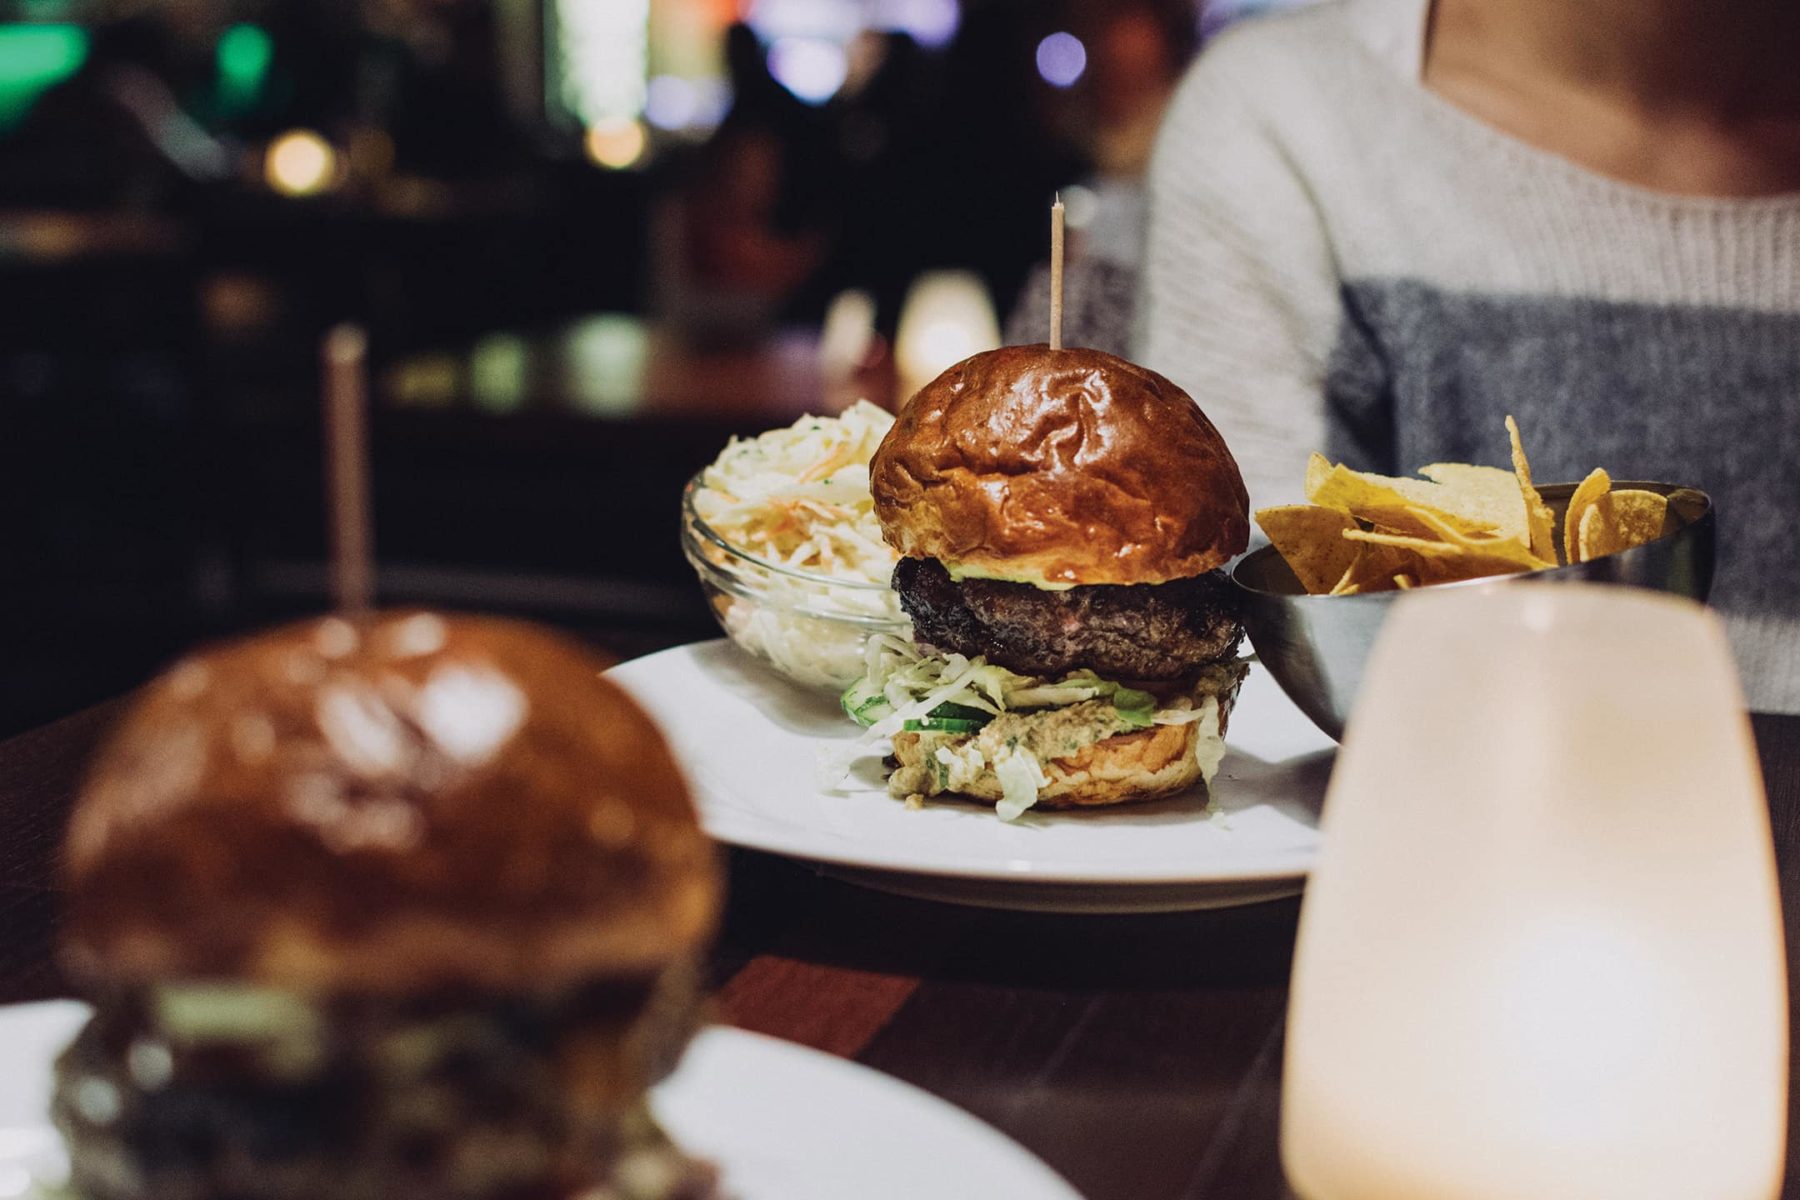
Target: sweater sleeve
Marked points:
1239	300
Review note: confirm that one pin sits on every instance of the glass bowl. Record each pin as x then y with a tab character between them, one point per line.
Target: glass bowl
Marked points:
808	626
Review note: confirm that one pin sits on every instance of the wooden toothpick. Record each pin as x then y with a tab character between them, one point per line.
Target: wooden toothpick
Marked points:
1056	273
344	360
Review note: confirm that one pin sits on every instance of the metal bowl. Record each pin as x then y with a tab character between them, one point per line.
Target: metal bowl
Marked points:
1316	646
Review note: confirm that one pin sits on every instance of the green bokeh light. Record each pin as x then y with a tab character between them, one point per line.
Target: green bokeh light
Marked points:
244	54
34	58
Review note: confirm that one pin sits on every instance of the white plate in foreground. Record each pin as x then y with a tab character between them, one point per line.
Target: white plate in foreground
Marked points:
751	742
780	1121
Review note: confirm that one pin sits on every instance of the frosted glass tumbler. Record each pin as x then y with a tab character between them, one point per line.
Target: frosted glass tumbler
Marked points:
1541	955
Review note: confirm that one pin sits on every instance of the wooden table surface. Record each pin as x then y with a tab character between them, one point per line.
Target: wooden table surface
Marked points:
1139	1056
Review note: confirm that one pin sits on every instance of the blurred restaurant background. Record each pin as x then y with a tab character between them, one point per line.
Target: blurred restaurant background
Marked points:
589	240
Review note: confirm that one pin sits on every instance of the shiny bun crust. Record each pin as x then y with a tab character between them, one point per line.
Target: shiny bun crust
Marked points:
394	803
1059	466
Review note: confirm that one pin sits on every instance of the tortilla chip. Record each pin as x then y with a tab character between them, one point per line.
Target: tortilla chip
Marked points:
1428	547
1382	500
1448	562
1486	495
1310	539
1347	586
1591	489
1540	519
1486	545
1317	468
1372	570
1620	521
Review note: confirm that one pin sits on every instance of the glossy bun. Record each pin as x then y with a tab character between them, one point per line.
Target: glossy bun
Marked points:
1059	466
392	803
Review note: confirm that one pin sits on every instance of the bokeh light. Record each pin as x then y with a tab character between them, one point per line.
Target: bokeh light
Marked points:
1081	206
243	56
671	102
34	58
932	23
825	20
1061	58
300	163
712	100
811	68
947	316
615	144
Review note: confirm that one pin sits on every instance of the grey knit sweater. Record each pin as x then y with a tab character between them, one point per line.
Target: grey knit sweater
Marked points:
1340	259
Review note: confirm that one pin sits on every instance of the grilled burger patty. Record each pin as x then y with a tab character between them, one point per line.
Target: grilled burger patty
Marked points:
1159	631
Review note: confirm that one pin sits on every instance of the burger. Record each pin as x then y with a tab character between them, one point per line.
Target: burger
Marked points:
1062	517
397	907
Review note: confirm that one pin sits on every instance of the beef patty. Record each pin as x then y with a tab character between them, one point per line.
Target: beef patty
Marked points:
1159	631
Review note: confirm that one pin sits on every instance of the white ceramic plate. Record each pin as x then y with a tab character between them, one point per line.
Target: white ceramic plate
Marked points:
751	743
781	1122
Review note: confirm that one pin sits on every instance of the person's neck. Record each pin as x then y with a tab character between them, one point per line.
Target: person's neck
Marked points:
1718	62
1697	97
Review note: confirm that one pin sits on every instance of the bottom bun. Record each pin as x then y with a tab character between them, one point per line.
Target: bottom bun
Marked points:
1144	765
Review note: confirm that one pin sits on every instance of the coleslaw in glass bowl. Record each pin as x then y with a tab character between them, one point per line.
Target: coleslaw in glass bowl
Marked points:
782	533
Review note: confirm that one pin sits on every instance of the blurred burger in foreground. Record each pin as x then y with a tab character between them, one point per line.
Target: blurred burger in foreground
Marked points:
1062	516
395	907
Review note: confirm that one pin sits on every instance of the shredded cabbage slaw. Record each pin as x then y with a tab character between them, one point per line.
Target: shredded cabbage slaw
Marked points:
798	500
905	688
799	497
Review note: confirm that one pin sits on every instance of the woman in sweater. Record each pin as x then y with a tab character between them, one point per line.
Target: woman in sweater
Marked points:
1378	226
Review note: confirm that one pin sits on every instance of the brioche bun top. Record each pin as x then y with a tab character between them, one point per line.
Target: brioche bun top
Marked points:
391	803
1059	467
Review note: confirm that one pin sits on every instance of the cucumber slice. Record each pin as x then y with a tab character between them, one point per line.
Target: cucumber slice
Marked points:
959	712
865	703
942	725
